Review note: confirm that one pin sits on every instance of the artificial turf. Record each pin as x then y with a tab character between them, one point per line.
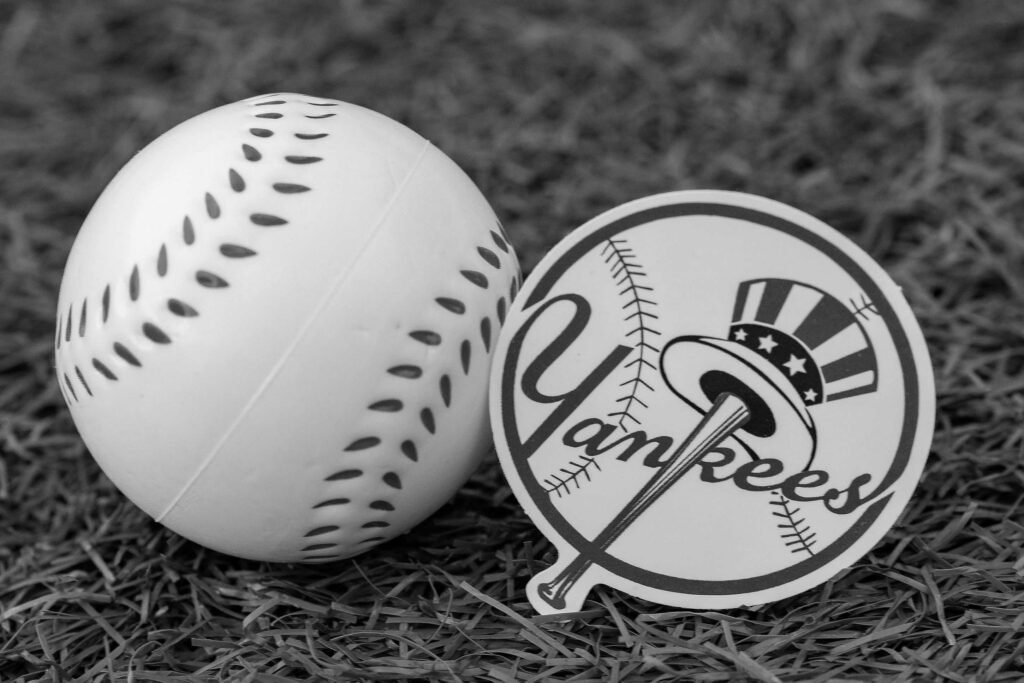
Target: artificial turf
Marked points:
899	122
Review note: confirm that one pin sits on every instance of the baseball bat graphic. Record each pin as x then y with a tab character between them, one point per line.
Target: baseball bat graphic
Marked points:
728	414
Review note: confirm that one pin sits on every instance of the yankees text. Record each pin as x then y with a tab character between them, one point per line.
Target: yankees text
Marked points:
596	437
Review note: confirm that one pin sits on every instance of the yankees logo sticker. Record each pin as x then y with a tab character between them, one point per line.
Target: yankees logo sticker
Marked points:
708	399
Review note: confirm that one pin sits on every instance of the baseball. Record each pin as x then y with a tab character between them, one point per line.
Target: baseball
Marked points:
275	328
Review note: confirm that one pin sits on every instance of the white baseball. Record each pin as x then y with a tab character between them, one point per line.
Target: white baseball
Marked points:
275	328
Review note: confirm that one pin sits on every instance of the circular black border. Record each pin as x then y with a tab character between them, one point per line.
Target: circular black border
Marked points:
545	282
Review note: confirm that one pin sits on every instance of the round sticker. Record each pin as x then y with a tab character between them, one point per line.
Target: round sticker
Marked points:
708	399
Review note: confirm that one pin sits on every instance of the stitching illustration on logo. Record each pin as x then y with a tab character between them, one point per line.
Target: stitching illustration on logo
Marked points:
630	275
638	312
487	268
796	532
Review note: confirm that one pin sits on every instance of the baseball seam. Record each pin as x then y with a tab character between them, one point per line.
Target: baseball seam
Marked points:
560	484
318	550
629	276
795	531
628	273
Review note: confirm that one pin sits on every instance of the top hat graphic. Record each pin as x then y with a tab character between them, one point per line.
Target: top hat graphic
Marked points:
791	346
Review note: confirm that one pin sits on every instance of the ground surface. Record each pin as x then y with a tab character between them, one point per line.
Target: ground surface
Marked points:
899	122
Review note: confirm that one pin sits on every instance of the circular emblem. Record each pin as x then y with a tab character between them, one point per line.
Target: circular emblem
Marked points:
709	399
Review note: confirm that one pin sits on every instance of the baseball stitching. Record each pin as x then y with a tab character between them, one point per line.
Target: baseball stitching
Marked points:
66	324
76	382
478	275
630	277
795	531
572	476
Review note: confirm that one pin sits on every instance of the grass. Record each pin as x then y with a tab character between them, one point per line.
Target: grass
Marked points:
900	122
